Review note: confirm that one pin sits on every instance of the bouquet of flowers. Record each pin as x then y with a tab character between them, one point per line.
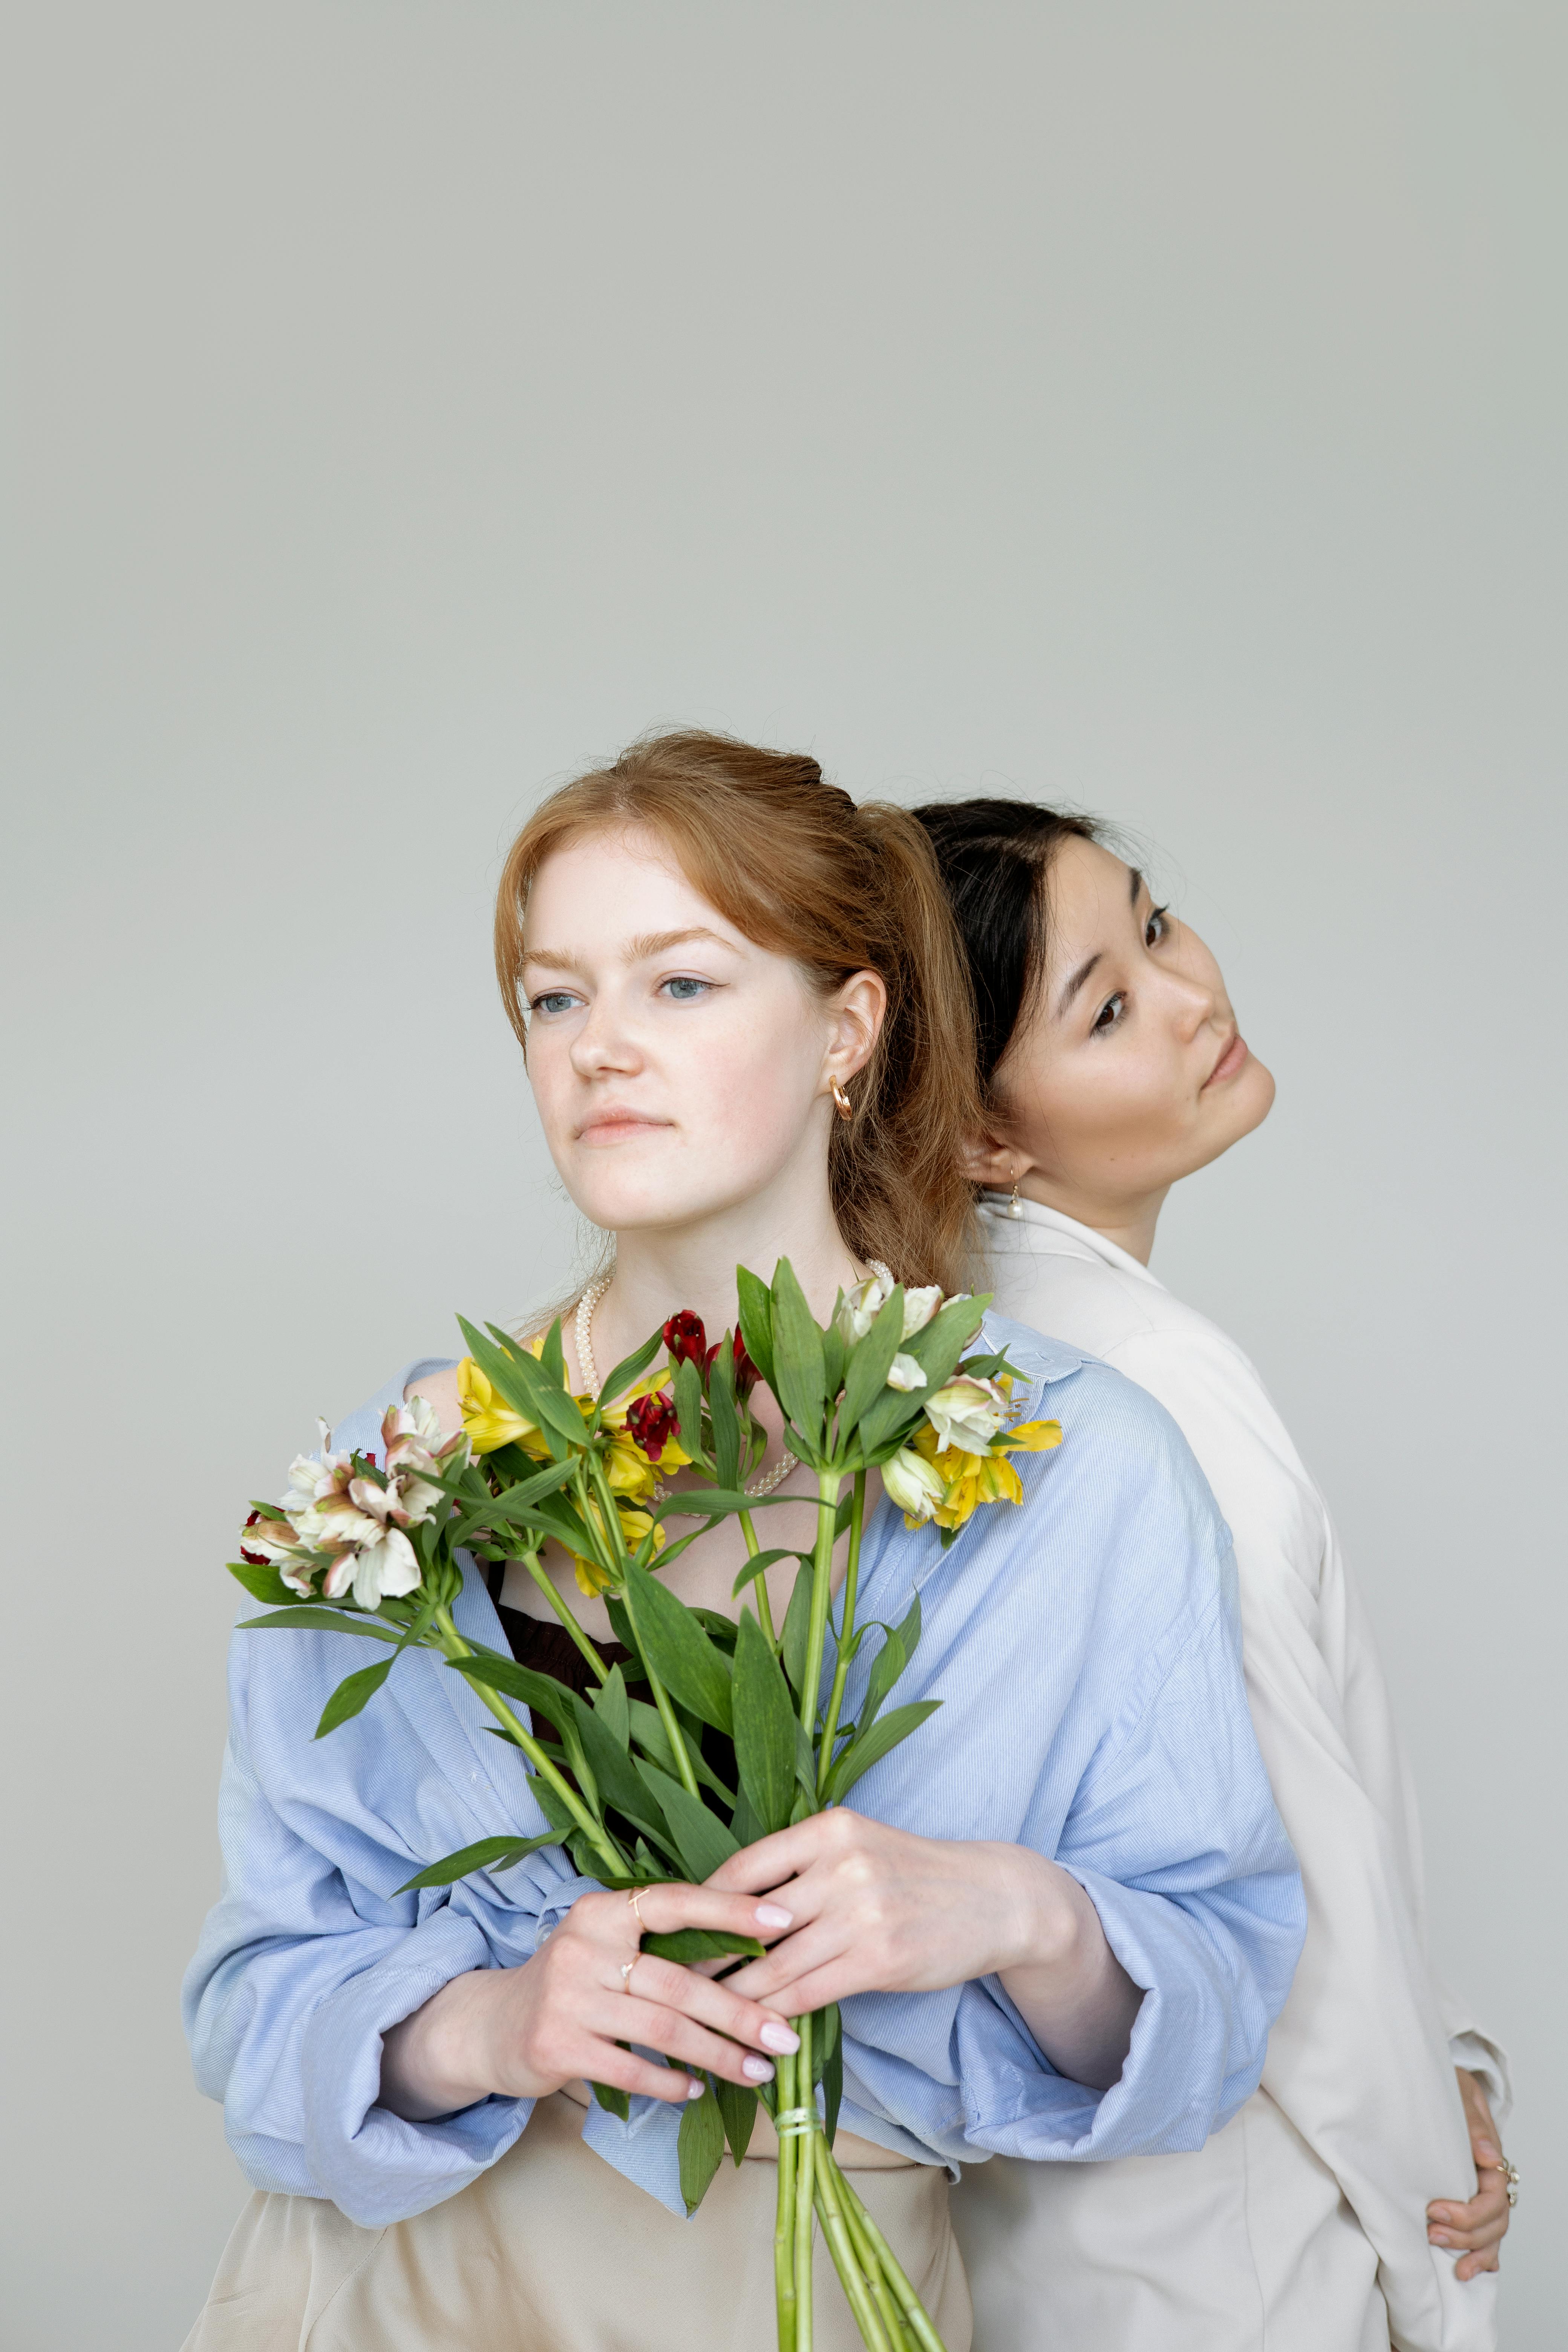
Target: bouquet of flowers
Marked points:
719	1731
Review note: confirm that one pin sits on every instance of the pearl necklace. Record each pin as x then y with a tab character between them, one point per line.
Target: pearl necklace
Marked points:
584	1335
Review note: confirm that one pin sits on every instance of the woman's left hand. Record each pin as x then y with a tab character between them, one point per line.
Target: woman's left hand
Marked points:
1478	2227
881	1910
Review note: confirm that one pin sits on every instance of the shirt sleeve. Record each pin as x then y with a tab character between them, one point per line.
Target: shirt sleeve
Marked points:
1175	1840
309	1959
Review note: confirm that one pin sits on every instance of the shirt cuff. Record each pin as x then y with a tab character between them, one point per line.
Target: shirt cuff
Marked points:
1479	2056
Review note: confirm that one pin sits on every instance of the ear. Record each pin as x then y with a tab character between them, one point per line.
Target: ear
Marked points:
997	1166
857	1011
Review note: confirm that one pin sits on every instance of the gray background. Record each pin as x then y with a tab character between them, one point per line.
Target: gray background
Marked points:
1157	407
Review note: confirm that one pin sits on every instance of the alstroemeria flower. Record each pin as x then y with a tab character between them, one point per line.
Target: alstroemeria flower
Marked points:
746	1373
862	1305
651	1420
919	1306
488	1422
915	1487
903	1373
685	1339
346	1525
591	1578
967	1413
969	1478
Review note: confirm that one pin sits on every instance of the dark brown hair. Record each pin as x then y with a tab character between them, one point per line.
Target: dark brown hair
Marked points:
797	866
995	860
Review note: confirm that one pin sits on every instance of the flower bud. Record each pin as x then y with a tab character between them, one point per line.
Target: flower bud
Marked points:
685	1339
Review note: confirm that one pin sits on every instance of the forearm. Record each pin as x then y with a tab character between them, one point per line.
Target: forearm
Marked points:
432	2065
1072	1992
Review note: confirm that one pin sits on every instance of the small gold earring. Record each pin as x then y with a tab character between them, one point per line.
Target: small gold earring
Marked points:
841	1102
1015	1207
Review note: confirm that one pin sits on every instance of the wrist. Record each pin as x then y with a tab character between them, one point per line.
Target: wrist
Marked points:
1047	1926
432	2063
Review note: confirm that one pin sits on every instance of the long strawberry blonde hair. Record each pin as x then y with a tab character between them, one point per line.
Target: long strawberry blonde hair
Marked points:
799	867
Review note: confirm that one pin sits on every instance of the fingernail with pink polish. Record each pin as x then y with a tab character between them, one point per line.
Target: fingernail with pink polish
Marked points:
695	2087
756	2070
772	1914
779	2038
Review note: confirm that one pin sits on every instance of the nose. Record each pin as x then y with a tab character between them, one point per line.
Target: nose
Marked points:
606	1045
1196	1003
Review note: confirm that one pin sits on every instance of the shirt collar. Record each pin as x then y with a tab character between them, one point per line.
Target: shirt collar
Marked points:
1042	1232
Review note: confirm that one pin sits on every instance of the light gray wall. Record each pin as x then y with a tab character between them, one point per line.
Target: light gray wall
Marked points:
1157	407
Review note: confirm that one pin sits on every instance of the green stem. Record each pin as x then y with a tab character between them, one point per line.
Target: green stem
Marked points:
546	1584
841	1668
847	2261
759	1583
872	2269
804	2192
454	1646
821	1595
784	2223
916	2320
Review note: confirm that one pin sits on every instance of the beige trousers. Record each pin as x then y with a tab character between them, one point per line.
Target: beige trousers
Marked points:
551	2250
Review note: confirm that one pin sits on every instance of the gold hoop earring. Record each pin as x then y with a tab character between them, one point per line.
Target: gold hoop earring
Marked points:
841	1102
1015	1207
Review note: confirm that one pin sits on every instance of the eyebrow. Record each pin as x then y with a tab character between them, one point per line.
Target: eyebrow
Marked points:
1134	885
638	951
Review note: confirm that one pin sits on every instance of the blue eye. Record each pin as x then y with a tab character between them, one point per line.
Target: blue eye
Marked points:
685	989
553	1000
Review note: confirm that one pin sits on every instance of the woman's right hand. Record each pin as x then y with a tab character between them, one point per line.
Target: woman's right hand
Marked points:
520	2033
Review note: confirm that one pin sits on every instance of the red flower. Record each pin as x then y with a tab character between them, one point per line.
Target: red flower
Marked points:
652	1420
685	1339
746	1373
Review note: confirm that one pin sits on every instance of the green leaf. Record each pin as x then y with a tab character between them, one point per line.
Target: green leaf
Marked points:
649	1731
723	1419
756	1313
686	1946
630	1369
701	2146
737	2112
540	1693
613	1708
678	1651
552	1355
765	1726
705	1843
511	1506
321	1620
490	1853
936	1350
620	1780
759	1566
874	1744
835	1354
354	1692
887	1667
832	2073
262	1581
614	2102
796	1632
805	1762
867	1378
514	1374
686	1385
800	1380
744	1826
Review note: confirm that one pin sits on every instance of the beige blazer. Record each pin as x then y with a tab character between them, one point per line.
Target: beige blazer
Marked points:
1302	2226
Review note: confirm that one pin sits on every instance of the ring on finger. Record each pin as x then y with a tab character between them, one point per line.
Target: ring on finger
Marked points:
1511	2176
626	1968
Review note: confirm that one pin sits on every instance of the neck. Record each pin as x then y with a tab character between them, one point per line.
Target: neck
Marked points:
661	1269
1128	1223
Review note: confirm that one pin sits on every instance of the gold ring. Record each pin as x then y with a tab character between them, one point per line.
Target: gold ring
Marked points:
633	1899
1510	2175
626	1968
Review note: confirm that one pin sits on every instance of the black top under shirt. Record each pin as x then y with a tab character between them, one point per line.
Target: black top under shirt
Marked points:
545	1645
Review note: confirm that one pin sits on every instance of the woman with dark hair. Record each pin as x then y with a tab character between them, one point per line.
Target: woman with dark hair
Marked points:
1111	1065
1059	1921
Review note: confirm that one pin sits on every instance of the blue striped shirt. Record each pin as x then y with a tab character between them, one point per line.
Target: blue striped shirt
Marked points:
1086	1652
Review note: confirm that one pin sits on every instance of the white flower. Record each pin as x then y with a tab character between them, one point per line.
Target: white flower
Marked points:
351	1525
903	1373
861	1307
967	1414
912	1483
919	1306
388	1565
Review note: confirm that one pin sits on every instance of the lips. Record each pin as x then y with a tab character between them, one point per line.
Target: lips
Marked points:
618	1127
1230	1061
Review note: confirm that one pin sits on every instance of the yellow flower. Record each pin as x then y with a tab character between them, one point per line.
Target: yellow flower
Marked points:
592	1576
489	1421
628	1469
969	1479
